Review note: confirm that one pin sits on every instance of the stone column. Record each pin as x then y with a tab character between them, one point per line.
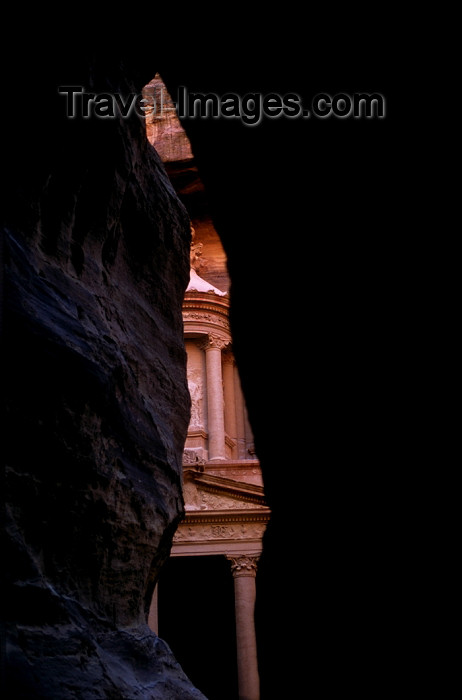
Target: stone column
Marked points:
244	569
240	416
249	443
230	402
215	406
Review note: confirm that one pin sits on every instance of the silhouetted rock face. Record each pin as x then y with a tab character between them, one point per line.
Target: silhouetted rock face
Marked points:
97	406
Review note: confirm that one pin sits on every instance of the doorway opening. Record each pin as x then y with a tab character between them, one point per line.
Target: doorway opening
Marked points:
196	619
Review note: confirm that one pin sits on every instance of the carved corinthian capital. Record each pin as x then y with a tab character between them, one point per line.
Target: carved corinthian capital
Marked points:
243	565
214	341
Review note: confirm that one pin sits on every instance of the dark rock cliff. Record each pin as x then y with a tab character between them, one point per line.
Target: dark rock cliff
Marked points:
96	249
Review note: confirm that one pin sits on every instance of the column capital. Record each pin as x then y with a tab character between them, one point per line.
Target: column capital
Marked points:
243	565
212	340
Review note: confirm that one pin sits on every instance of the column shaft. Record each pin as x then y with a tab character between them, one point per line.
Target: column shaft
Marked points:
230	403
240	417
215	412
244	569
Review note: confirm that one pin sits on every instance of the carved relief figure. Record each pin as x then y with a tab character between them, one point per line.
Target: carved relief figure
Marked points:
195	391
195	253
197	283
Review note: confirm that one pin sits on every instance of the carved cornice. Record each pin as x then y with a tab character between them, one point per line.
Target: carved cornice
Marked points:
205	312
206	301
219	485
245	497
226	516
243	565
237	463
197	432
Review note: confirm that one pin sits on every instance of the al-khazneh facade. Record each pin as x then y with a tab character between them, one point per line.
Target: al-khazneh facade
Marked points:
226	513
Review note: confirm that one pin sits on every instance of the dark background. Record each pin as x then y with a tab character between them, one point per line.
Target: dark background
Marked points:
313	218
196	619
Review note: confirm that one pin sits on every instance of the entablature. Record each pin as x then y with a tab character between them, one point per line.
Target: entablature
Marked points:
205	312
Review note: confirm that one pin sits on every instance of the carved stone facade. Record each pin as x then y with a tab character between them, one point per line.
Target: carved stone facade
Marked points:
226	513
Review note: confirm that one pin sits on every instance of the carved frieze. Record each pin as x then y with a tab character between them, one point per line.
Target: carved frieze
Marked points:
206	318
200	532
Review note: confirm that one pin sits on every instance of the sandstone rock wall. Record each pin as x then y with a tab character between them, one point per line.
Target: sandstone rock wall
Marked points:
96	249
162	126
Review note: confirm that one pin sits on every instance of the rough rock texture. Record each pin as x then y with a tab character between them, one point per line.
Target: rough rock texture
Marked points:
96	252
161	120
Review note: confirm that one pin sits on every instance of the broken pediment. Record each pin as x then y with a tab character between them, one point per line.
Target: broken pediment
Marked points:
222	516
204	492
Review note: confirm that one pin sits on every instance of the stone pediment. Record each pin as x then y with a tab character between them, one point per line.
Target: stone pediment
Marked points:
223	516
205	492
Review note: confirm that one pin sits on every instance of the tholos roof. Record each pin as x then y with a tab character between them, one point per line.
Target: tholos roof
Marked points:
197	284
